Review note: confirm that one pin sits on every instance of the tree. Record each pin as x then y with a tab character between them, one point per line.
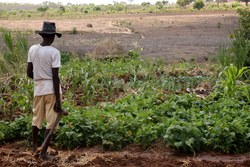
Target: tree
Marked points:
198	4
43	9
50	4
164	2
62	9
119	6
145	3
159	4
183	3
97	8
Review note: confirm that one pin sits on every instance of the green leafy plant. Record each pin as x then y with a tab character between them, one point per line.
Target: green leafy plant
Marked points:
229	77
229	135
135	54
149	134
184	137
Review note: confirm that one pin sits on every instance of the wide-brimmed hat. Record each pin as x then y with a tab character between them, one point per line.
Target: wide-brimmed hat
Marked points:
49	28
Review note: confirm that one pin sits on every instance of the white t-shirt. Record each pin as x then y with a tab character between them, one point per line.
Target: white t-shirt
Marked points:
43	58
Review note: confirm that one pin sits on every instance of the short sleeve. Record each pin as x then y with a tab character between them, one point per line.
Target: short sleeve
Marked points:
56	60
30	53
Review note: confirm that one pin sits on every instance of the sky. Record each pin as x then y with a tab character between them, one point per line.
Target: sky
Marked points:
97	2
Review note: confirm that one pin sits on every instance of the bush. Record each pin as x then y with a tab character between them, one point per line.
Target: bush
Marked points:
198	4
62	9
183	3
43	9
145	4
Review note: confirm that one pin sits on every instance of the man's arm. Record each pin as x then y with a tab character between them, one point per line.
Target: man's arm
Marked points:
56	84
30	70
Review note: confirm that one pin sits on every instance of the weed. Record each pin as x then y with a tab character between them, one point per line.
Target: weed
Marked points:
219	25
74	30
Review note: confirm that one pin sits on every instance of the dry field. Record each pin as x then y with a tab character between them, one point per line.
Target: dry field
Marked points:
169	36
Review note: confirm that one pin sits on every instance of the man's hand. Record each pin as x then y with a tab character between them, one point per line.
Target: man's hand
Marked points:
58	107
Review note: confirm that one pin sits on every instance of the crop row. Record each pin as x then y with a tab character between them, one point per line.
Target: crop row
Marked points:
89	81
185	122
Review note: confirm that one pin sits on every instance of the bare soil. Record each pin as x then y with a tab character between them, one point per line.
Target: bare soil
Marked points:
167	36
17	154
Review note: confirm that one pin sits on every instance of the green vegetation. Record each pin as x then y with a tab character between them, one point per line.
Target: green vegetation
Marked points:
238	52
13	59
57	10
183	3
118	101
198	4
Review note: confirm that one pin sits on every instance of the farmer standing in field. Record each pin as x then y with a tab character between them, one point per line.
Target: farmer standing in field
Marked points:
43	67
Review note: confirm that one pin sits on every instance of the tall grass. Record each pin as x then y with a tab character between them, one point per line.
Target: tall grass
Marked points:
238	52
224	56
241	50
14	58
5	66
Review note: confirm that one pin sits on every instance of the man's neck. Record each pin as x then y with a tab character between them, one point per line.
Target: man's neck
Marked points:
45	44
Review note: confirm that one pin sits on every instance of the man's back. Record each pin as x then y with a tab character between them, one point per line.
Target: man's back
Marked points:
43	58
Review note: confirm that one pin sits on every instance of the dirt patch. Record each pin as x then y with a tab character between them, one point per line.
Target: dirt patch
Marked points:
17	154
108	48
167	36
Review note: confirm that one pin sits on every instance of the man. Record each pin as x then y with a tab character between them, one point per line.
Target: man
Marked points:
43	67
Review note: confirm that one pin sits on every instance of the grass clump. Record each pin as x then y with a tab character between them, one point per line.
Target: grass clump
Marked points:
14	58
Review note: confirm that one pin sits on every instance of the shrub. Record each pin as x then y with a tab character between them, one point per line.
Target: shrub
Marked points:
159	4
43	9
62	9
97	8
145	4
198	4
183	3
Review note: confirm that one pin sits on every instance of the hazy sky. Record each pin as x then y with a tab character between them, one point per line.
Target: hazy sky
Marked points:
83	1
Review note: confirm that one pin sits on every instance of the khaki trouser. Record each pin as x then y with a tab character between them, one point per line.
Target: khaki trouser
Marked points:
43	109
